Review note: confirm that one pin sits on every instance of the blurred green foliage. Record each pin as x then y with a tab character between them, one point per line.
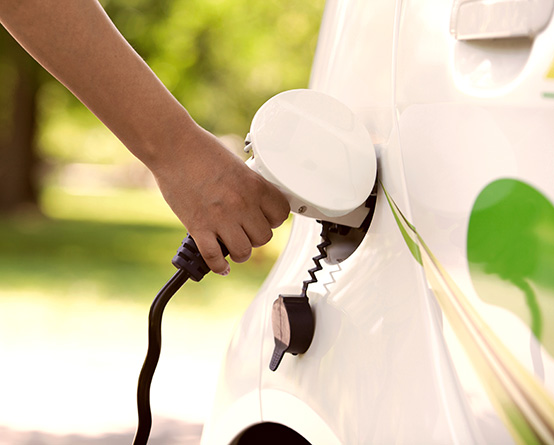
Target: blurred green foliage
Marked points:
112	248
221	59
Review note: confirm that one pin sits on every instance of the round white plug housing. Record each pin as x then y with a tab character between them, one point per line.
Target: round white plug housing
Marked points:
317	152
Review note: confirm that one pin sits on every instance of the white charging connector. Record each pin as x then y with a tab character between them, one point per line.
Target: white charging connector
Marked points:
317	152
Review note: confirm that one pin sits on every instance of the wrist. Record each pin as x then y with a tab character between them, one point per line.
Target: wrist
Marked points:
167	139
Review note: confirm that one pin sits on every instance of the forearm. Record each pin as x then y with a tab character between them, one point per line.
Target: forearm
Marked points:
208	188
79	45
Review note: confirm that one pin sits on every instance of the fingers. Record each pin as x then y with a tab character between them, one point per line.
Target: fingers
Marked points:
275	206
258	229
239	241
210	250
236	241
251	226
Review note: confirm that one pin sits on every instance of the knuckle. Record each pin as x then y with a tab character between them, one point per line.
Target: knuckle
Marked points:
211	254
278	219
236	201
260	188
258	183
241	255
284	209
263	239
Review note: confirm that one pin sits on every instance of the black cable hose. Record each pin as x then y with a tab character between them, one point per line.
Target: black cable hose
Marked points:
153	354
191	265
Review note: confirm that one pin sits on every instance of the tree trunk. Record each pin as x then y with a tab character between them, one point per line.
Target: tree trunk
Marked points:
18	160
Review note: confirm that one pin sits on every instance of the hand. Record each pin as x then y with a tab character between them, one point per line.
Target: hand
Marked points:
216	196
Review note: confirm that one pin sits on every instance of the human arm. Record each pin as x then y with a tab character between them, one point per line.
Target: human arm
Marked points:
208	188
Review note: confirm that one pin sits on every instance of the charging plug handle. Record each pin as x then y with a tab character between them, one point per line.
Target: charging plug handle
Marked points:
188	258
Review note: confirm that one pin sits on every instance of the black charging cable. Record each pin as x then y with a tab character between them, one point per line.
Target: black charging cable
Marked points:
190	264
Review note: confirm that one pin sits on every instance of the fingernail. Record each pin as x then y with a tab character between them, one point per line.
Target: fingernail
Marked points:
226	271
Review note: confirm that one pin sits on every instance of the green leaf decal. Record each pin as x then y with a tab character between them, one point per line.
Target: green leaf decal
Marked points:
510	250
511	245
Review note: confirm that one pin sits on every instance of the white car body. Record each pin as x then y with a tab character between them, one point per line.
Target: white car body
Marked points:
414	343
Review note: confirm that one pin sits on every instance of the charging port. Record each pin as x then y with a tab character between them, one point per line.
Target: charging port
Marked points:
345	240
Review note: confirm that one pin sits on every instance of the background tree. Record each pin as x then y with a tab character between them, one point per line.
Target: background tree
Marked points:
20	79
221	59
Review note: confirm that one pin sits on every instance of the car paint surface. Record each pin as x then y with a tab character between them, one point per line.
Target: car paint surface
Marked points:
396	356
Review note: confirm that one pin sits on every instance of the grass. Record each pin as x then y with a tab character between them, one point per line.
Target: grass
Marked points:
116	245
